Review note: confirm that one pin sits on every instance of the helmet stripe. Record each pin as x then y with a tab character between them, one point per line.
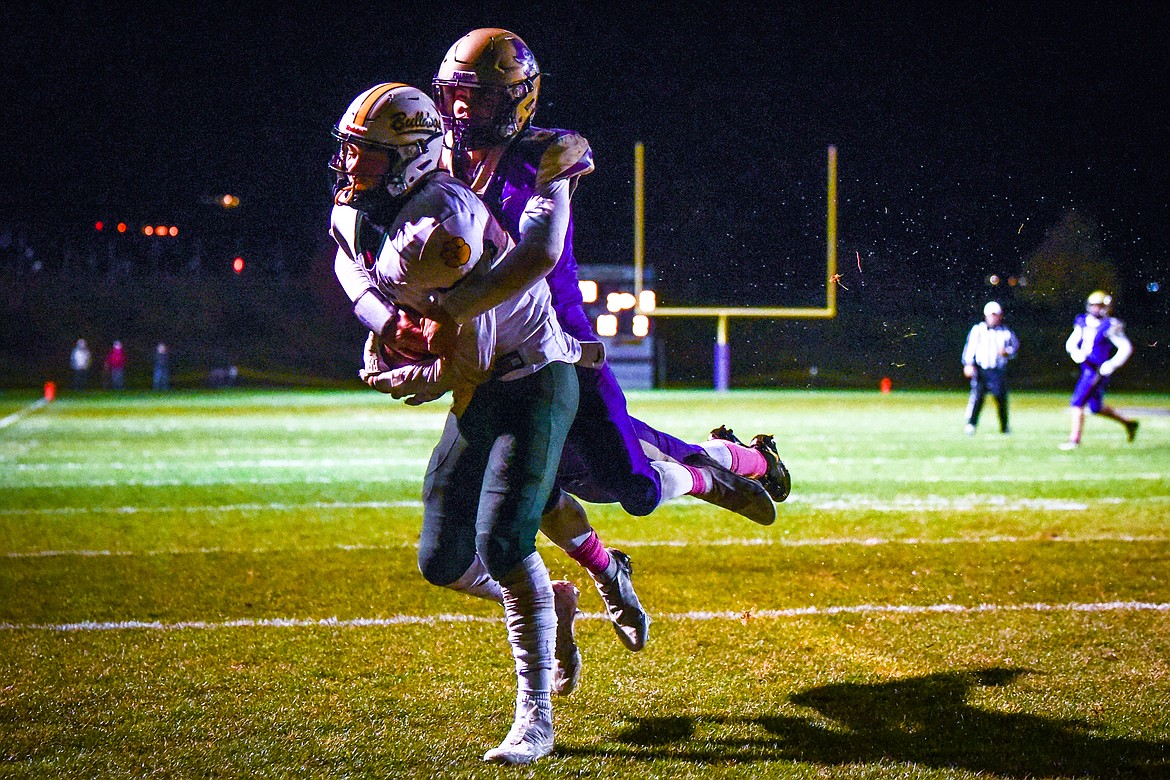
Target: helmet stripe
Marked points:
373	99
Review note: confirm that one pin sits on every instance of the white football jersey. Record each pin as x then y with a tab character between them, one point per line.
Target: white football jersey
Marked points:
442	235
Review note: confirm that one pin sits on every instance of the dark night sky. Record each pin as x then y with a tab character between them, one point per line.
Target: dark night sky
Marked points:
963	132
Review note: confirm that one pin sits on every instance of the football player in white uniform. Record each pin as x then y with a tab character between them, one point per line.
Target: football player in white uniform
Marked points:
404	231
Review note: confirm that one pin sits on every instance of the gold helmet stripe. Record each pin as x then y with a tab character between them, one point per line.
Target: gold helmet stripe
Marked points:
372	100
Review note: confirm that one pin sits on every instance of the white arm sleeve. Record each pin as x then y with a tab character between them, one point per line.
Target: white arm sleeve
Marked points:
1124	350
372	308
543	228
969	347
1072	346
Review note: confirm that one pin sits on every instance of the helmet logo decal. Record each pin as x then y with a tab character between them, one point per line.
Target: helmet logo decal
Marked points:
525	58
355	129
421	120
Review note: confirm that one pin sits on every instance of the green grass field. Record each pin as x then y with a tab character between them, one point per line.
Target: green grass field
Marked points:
224	585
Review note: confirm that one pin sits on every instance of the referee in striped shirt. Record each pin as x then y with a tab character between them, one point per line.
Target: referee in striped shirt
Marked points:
990	345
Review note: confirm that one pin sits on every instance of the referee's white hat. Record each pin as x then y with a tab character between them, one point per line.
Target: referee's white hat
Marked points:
992	308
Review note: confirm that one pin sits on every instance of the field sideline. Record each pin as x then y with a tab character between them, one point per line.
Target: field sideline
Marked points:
224	584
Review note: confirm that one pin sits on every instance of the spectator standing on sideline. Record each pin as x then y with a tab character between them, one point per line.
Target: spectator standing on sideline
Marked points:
162	368
1098	344
990	345
116	367
80	359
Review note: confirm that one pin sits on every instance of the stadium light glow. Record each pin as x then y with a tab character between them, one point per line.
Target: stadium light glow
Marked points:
641	326
147	230
588	290
647	301
616	302
607	325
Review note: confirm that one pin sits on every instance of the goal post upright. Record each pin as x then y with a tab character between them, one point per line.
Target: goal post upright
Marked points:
723	313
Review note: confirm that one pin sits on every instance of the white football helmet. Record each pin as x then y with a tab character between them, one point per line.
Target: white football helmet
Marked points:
395	119
499	72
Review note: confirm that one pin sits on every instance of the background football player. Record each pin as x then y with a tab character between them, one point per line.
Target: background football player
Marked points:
1098	344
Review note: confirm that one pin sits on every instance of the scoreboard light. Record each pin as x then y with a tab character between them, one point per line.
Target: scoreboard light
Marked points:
238	265
616	302
99	226
588	290
641	326
148	230
122	228
228	201
647	301
607	325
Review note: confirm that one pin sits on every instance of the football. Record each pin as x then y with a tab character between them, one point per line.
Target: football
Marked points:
410	342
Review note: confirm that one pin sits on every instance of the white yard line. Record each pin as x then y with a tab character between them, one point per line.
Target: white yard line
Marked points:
399	620
412	503
306	472
870	541
825	502
17	415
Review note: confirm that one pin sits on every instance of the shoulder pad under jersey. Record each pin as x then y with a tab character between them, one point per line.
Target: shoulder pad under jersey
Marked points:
567	156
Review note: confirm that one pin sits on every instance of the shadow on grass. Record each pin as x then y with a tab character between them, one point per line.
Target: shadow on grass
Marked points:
924	721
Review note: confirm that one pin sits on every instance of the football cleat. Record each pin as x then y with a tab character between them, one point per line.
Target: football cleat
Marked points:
724	433
732	491
1069	445
1131	430
566	656
776	480
630	621
530	738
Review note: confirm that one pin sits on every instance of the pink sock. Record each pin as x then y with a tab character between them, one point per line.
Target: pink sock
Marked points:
700	480
746	461
592	555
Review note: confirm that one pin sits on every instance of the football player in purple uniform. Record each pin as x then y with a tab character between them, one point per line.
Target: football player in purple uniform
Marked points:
1097	344
487	88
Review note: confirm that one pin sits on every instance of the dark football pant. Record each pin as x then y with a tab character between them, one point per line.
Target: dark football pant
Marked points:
604	461
492	472
993	382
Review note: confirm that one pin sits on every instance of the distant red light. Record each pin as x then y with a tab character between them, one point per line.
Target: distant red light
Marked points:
121	227
238	264
99	226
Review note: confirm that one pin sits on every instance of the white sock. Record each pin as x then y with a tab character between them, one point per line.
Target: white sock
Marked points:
477	582
676	479
718	452
532	625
